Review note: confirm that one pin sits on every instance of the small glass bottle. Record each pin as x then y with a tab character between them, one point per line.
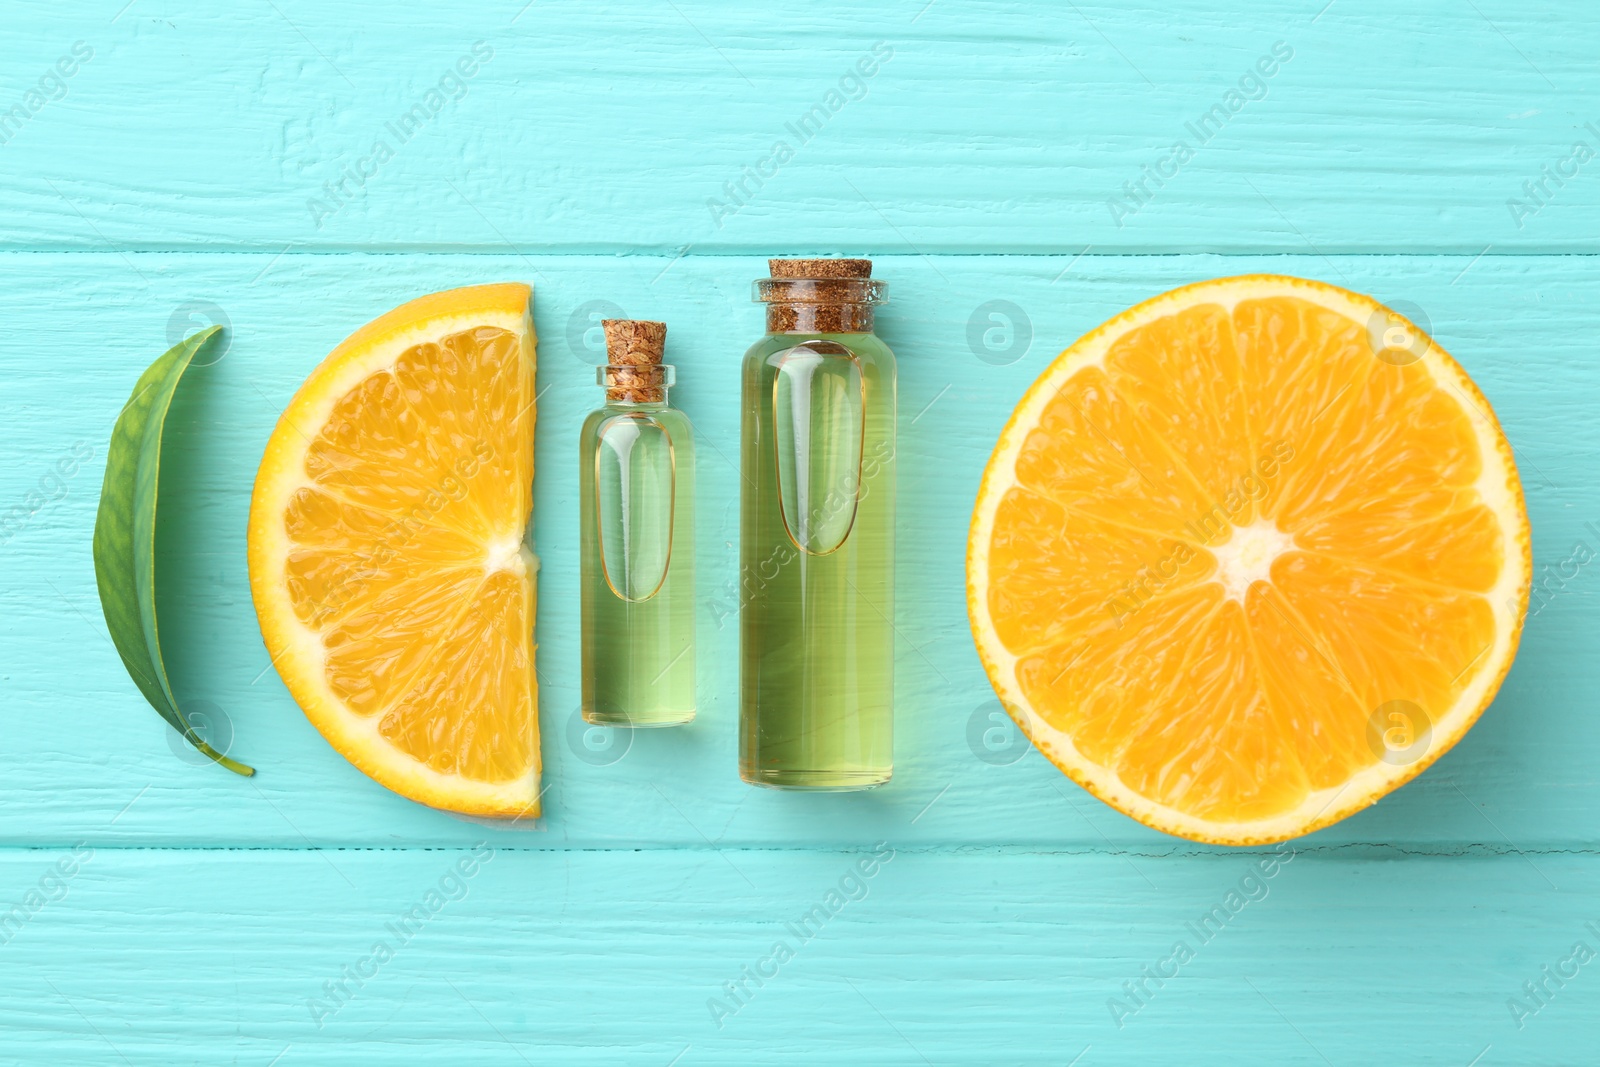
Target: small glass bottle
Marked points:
816	534
636	501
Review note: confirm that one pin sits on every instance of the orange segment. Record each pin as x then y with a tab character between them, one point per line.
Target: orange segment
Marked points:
1224	541
387	555
1094	572
1196	345
1090	452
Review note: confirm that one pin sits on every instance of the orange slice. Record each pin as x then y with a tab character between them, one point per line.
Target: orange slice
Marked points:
387	555
1248	557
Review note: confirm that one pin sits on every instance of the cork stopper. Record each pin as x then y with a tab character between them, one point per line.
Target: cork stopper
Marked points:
820	295
634	373
820	268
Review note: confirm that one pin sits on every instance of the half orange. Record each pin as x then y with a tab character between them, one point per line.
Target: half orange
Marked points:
1248	557
388	560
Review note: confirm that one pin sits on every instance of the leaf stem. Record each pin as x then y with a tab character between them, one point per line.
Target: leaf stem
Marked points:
233	765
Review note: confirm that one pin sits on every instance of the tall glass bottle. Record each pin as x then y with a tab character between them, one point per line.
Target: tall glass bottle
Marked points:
816	534
636	502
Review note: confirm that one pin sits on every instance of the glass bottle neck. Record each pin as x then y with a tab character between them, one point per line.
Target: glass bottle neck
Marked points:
636	385
660	404
819	318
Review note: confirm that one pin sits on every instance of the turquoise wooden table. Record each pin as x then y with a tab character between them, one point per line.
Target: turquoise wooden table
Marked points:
293	168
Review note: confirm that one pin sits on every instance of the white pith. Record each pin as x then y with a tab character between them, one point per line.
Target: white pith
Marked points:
1248	555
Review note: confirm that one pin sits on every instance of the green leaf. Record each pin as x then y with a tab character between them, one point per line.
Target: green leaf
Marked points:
125	536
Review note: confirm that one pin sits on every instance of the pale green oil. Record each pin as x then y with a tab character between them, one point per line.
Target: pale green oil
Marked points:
636	498
816	629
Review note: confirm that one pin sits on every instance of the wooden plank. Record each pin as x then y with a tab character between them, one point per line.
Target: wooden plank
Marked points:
81	747
198	956
983	127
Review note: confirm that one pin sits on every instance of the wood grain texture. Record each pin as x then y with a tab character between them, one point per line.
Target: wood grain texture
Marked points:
1523	326
544	957
188	170
992	126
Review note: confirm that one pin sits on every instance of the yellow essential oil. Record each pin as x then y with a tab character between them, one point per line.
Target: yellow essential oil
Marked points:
816	534
636	499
